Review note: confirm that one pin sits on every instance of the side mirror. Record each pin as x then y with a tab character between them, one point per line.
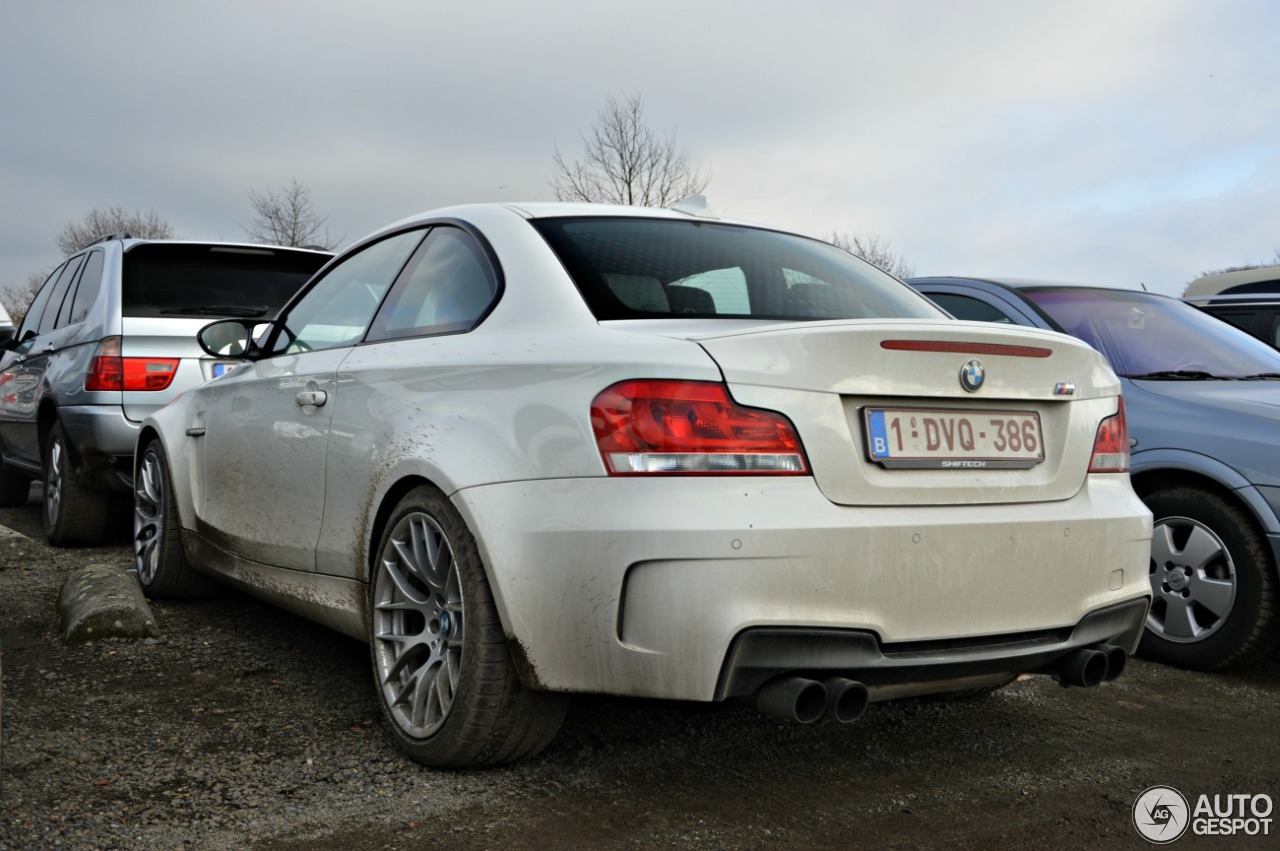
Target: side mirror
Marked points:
230	338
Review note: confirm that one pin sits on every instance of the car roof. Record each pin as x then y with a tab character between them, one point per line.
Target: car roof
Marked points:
690	209
131	242
1225	282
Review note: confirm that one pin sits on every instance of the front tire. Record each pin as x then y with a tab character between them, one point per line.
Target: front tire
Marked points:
1213	584
445	677
75	513
158	559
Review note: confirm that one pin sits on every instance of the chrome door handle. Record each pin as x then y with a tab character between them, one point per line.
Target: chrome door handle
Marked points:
314	398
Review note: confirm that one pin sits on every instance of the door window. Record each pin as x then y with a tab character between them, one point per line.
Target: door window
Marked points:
86	289
967	307
35	313
336	310
49	320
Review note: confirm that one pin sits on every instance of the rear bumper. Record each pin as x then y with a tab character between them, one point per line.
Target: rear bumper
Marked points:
647	587
103	442
760	655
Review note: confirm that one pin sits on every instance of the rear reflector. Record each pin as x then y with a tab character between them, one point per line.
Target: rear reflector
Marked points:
660	427
951	347
109	371
1111	445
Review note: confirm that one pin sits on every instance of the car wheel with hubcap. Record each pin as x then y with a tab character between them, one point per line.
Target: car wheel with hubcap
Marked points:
74	512
1213	583
158	559
445	676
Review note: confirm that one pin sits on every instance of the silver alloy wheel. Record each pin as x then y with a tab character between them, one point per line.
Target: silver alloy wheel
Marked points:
418	625
54	481
148	517
1193	581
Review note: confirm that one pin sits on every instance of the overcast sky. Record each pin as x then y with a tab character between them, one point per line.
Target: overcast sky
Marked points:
1120	142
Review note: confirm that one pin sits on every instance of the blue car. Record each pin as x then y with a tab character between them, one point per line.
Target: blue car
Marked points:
1203	404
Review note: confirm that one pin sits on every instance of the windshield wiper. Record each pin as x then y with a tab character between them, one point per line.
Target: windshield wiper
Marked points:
1179	375
220	310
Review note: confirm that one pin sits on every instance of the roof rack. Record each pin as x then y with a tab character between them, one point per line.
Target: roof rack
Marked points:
108	238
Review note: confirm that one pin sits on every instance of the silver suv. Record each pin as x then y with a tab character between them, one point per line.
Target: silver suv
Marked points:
109	338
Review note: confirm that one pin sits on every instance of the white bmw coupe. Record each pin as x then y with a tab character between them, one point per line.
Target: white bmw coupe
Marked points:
531	450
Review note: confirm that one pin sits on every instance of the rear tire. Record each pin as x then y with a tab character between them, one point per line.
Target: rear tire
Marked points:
75	514
158	558
1213	584
446	680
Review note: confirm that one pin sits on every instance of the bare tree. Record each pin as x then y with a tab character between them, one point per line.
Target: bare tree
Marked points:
113	220
287	217
875	250
625	162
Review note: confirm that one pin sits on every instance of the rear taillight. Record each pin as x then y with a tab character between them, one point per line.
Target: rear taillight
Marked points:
1111	445
660	427
109	371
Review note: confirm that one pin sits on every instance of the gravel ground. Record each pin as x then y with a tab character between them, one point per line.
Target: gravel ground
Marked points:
243	727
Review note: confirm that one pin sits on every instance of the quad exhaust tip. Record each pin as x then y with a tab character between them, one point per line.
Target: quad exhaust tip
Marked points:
806	700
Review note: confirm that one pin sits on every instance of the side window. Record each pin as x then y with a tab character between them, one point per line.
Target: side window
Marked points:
86	290
967	307
35	312
50	318
446	287
337	309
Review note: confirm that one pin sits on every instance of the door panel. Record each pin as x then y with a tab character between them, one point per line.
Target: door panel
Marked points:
262	456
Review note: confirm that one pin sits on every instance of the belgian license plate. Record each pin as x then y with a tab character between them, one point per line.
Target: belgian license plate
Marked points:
220	368
918	438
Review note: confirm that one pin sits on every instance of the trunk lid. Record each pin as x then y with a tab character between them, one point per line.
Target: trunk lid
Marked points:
832	378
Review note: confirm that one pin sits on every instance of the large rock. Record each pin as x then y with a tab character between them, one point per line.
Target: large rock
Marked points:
100	601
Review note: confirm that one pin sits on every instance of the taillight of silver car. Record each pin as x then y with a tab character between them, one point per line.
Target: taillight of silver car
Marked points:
1111	445
109	371
666	427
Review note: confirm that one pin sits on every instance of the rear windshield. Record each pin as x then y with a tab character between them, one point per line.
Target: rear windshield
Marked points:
651	268
213	280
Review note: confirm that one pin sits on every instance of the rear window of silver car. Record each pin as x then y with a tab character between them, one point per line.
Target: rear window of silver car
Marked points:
649	268
167	280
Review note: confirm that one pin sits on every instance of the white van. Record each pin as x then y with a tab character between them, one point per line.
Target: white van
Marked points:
1248	299
7	330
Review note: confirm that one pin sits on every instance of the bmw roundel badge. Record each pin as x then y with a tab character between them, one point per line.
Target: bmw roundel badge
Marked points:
972	374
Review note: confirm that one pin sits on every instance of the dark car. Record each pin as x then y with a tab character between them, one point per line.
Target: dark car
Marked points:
1203	402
